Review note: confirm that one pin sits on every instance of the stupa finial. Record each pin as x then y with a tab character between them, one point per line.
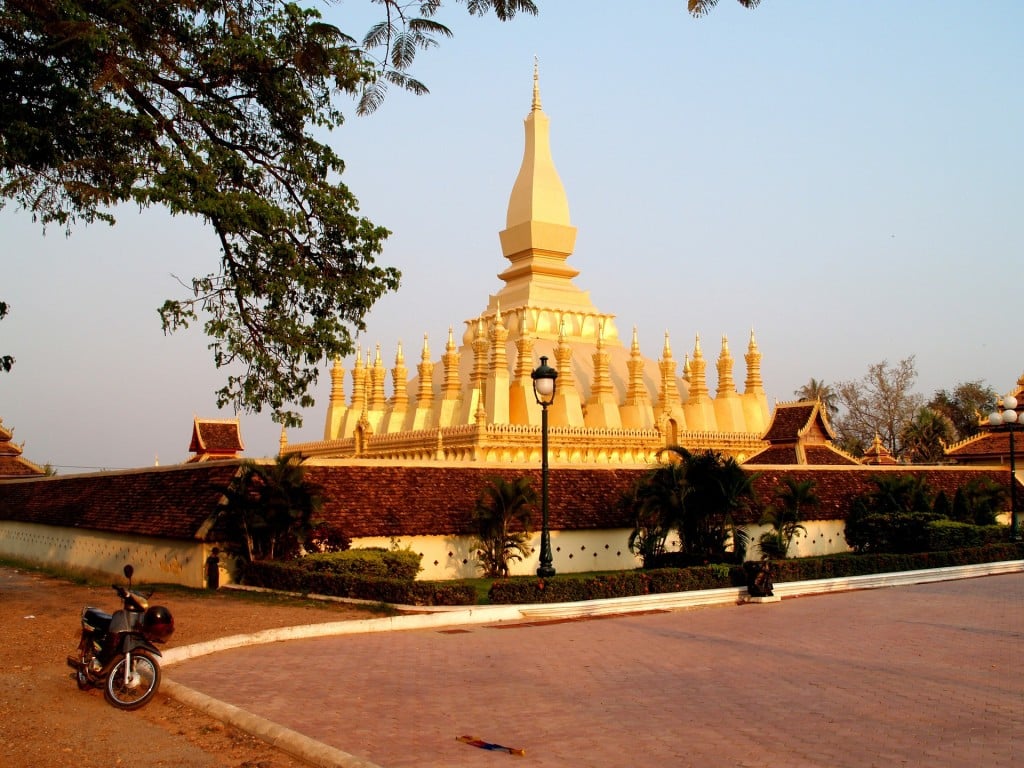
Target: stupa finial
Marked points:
535	106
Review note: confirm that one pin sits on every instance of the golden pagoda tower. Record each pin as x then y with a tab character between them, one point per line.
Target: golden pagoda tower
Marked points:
612	405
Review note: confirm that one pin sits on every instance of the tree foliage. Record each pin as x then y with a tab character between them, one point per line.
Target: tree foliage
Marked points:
823	393
271	511
901	514
891	517
703	7
6	361
925	437
208	108
502	521
785	515
965	406
880	403
700	497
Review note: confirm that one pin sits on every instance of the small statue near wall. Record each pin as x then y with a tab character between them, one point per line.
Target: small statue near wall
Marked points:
759	578
213	569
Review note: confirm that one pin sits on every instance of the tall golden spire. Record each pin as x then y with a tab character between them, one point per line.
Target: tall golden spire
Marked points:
399	379
377	400
668	396
425	370
753	383
450	361
538	194
698	383
726	384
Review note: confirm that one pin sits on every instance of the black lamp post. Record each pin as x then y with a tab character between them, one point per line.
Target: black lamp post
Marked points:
544	390
1006	418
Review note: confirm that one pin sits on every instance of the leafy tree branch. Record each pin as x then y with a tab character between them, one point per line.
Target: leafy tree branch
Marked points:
206	108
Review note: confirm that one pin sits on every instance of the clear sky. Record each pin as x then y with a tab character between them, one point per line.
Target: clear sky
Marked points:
844	177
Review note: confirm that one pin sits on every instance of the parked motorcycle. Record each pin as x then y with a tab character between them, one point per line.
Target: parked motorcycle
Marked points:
117	650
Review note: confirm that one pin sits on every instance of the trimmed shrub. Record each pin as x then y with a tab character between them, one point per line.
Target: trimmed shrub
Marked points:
291	577
949	534
402	564
572	588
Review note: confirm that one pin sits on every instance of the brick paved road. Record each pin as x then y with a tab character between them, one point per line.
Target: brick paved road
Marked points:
928	675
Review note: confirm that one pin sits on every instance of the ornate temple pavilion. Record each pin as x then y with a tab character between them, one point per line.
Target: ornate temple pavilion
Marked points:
476	403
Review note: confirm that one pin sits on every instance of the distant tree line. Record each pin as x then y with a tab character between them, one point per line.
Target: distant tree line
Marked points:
883	403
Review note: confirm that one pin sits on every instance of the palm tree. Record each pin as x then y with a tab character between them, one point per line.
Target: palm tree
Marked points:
716	488
924	439
502	519
823	393
703	7
657	502
979	502
785	516
270	509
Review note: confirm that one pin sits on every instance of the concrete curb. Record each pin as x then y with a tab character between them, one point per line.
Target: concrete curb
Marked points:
294	743
323	756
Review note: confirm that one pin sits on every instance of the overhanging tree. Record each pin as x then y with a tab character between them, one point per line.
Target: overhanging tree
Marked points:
207	108
702	7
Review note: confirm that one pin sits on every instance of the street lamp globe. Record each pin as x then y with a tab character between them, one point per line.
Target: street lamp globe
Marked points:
544	382
1005	418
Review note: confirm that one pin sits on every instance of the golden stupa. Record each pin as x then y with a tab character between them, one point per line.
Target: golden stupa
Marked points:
612	406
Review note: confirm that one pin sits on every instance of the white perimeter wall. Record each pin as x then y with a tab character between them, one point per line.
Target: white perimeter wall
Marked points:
452	557
443	557
95	552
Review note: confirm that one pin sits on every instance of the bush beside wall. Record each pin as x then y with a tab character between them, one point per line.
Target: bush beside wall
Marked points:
401	564
293	577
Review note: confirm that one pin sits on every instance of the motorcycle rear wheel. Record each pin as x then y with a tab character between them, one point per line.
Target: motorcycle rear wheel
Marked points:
131	689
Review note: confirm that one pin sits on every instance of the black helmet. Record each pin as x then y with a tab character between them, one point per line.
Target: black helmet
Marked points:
157	624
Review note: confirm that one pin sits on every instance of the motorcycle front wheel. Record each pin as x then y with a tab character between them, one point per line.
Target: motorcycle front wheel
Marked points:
131	688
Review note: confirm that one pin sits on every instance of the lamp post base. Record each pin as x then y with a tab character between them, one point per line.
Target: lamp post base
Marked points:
546	571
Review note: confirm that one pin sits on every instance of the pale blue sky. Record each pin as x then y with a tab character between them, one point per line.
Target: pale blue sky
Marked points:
844	177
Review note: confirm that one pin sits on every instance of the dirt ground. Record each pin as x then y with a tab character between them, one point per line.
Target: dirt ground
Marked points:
46	722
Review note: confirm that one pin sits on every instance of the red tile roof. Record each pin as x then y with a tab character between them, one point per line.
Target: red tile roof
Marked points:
789	420
799	434
12	463
989	445
165	502
366	500
215	439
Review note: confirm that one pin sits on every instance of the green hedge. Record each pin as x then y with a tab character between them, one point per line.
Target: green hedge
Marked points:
292	577
843	565
382	563
571	588
948	534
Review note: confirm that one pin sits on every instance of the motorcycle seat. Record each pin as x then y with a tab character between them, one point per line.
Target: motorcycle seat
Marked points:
98	620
